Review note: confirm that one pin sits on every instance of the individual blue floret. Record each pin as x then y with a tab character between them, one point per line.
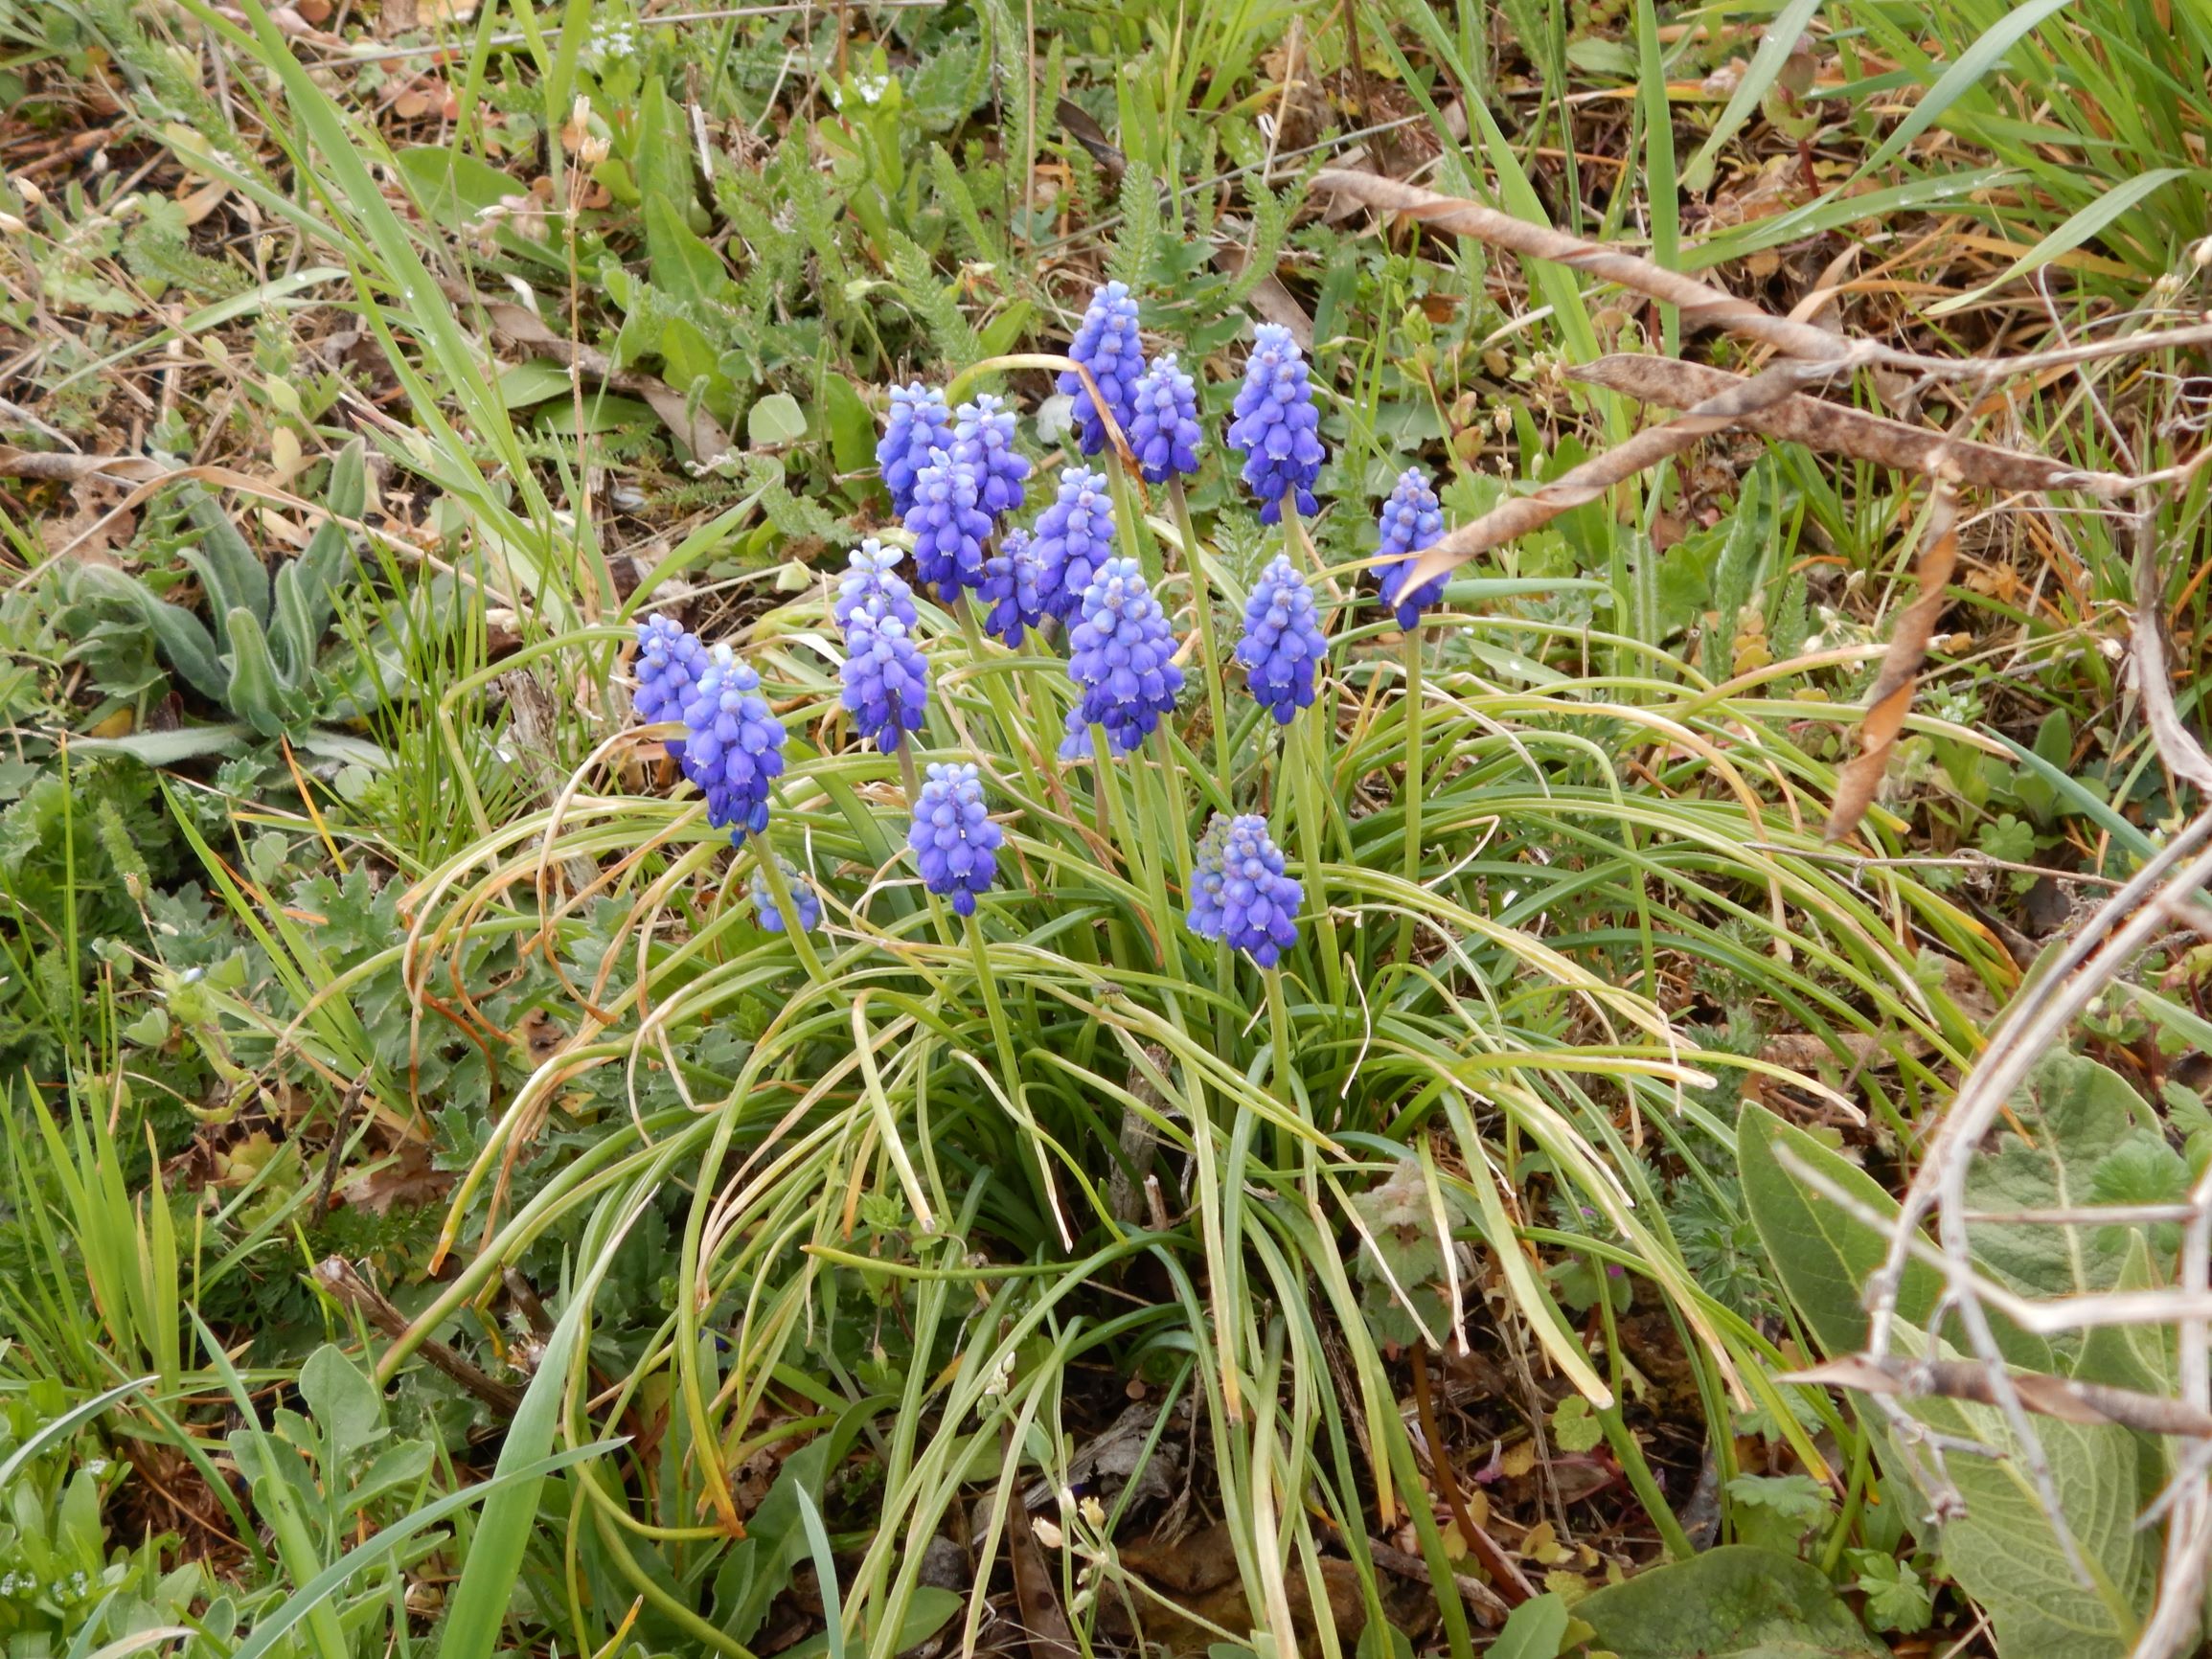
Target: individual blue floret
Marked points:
886	681
669	665
804	899
1121	654
1411	521
1106	344
983	440
948	528
1011	578
1074	536
954	841
872	586
1276	426
1281	648
1238	893
733	745
1163	429
919	422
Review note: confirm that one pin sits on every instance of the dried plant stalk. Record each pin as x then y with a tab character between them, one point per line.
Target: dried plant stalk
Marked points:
1834	429
1701	305
1891	699
1519	515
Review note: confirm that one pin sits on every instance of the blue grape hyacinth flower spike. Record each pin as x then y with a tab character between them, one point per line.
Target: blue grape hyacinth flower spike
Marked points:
886	682
733	745
919	422
1238	893
1011	578
1122	655
1075	536
1411	522
1281	648
983	441
948	528
954	841
669	661
872	587
1106	344
1277	429
1164	430
804	899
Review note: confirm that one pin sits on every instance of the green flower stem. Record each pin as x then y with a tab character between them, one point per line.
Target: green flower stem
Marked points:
1304	765
1176	824
1279	1035
1627	1448
1415	786
1009	1071
1129	524
1010	726
780	890
909	775
1216	666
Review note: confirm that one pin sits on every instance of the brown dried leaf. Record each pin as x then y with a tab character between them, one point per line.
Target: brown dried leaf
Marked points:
407	1182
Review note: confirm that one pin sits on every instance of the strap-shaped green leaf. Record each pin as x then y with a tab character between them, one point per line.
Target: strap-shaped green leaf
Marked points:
306	588
233	574
183	641
257	694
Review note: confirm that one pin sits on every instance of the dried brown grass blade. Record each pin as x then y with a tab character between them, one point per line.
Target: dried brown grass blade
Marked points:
2177	746
1891	699
1834	429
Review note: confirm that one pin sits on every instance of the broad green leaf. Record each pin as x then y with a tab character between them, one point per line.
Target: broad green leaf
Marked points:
2004	1551
775	420
1733	1603
852	425
683	265
1533	1629
346	1406
256	691
1823	1255
188	646
171	748
2074	1112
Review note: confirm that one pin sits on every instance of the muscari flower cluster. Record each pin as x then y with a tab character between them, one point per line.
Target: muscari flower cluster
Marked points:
1163	425
1411	522
1107	345
1281	648
804	900
886	679
919	423
1238	893
952	478
954	841
733	745
1075	537
1122	655
1277	428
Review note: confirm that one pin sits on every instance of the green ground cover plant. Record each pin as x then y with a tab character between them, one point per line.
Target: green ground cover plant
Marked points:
746	909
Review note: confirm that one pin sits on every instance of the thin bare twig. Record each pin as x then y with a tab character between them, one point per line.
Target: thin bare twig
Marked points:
1836	429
